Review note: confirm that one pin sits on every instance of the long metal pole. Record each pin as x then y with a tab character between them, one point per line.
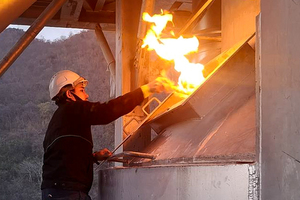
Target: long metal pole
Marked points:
11	10
30	34
109	57
113	151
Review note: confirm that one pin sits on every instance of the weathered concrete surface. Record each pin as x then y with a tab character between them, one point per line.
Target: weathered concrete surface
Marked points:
125	52
227	182
280	97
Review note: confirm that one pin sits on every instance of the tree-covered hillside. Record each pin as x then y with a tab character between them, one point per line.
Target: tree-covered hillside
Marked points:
25	106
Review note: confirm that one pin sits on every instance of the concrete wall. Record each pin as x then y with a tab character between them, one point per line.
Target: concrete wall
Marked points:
125	51
228	182
280	97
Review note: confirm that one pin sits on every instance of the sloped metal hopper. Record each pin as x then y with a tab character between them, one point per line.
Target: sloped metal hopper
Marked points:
214	124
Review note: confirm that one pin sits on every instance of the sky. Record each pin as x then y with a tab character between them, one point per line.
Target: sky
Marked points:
51	33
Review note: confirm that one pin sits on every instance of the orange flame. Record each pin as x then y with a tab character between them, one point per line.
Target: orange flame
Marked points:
174	49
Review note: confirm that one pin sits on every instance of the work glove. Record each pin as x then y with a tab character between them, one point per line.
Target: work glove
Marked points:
103	154
160	84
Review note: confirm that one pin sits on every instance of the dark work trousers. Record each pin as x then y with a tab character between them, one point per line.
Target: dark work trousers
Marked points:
58	194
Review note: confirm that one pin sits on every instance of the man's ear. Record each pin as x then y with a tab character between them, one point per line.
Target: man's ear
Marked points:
70	95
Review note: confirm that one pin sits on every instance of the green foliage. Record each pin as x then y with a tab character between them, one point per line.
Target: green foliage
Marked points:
19	165
25	107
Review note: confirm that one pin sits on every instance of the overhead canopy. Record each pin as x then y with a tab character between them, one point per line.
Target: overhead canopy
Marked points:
74	14
84	14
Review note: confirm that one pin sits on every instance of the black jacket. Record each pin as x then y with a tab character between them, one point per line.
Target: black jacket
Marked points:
68	144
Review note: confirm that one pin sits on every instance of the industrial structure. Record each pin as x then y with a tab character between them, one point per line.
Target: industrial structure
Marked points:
235	137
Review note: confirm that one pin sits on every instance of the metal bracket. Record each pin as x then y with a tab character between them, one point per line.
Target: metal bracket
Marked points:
152	99
144	111
125	125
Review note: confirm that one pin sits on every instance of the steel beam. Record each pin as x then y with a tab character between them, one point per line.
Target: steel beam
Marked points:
69	24
175	6
34	12
12	9
127	18
98	17
30	34
109	6
196	16
85	17
71	10
99	5
88	5
141	65
109	57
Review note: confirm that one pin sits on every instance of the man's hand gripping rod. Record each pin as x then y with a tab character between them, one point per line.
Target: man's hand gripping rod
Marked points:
103	161
129	135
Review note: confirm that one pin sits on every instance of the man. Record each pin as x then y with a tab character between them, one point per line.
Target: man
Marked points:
68	144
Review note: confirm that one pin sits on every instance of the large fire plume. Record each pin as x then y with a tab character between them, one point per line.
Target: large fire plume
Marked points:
175	49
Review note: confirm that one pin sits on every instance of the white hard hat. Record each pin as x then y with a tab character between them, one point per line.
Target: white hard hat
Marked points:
63	78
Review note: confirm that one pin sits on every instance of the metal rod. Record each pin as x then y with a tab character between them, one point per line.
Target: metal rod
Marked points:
11	10
113	151
30	34
135	154
128	136
109	57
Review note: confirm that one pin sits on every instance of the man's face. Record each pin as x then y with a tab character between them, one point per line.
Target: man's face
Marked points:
79	90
